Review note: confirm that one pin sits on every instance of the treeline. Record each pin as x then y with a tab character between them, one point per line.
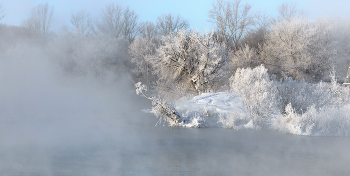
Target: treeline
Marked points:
174	60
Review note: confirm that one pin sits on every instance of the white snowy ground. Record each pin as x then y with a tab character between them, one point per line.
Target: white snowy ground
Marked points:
222	102
227	110
209	109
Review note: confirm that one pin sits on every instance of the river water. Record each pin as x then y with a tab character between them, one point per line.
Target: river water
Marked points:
144	149
50	127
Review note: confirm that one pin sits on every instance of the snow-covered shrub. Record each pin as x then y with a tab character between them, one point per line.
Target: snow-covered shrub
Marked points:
326	121
302	95
191	60
259	92
313	108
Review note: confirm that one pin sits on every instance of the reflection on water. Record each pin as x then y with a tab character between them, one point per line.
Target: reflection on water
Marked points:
159	150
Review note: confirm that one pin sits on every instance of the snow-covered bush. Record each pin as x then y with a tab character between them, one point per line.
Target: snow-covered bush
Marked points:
326	121
263	96
192	61
302	95
259	92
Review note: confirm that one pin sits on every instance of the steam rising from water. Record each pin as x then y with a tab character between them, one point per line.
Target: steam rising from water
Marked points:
53	123
42	109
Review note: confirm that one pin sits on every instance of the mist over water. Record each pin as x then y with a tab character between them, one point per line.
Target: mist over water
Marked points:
53	123
41	109
68	108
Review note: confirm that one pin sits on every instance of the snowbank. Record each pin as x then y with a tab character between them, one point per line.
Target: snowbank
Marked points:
222	102
227	110
205	110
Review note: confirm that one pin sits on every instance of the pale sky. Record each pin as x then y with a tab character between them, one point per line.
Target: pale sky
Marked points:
195	11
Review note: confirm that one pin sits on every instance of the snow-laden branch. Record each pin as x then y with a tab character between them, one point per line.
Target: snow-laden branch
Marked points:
160	108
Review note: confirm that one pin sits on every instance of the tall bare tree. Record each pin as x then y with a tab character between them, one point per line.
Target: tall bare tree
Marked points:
82	22
2	15
261	20
148	30
169	23
40	19
288	10
111	20
255	38
116	22
130	24
231	20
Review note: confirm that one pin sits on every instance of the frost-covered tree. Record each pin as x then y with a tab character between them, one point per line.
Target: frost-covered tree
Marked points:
299	48
246	57
231	20
117	22
341	35
169	23
141	49
255	39
40	19
190	61
82	22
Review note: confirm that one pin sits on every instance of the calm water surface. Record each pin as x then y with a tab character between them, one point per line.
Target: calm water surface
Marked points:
145	149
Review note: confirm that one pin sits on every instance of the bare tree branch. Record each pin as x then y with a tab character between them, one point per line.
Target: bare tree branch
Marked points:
286	11
130	24
40	19
261	20
2	15
117	22
168	23
148	30
232	20
111	20
82	22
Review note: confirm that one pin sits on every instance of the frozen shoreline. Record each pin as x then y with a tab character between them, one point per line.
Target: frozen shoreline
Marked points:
227	110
